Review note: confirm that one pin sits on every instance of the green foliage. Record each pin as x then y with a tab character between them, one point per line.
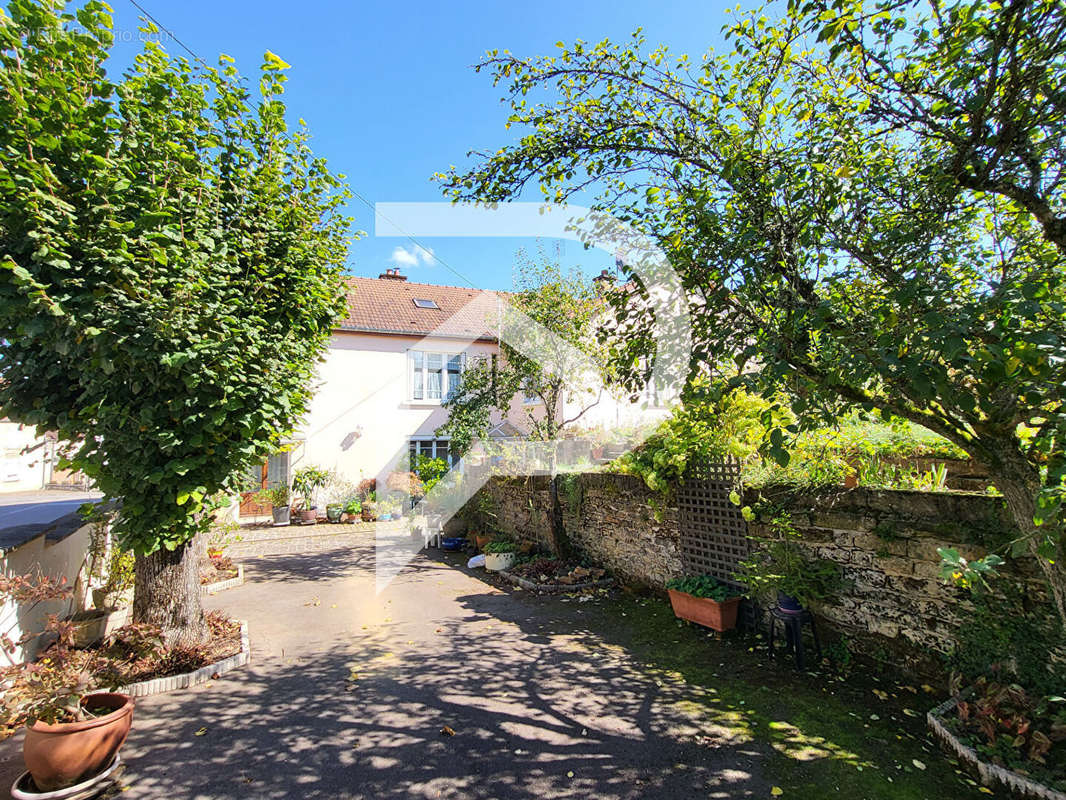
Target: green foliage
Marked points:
429	470
1013	639
353	506
500	545
703	586
171	262
570	489
865	202
307	480
707	427
277	496
972	575
779	563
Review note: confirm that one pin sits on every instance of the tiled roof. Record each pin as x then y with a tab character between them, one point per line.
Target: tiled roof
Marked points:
386	305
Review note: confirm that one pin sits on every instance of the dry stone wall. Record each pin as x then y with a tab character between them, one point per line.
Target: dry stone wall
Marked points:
894	605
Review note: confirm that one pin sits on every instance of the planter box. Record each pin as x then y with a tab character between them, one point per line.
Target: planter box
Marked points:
93	626
989	774
705	611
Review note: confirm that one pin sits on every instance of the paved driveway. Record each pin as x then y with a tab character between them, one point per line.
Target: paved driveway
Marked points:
348	693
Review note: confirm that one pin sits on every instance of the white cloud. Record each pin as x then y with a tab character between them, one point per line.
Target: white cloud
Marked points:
413	256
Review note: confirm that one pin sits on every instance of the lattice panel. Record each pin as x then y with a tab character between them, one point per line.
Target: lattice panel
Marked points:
713	531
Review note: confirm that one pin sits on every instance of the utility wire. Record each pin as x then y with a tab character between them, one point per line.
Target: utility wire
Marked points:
366	202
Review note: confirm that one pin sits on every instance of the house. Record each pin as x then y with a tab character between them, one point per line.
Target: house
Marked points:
29	461
390	365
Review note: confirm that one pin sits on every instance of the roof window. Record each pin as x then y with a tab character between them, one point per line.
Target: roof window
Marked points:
421	302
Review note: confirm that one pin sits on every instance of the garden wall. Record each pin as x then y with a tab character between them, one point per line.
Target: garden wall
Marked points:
895	606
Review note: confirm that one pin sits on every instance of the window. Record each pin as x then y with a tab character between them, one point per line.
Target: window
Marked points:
433	448
529	397
434	376
421	302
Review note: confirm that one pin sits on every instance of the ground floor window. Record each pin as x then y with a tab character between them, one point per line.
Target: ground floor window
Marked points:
433	448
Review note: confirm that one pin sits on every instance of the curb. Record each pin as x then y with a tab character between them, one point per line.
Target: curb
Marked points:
990	774
187	679
557	588
229	583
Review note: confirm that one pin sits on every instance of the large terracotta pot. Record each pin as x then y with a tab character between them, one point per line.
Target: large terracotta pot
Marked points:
482	539
308	516
65	753
705	611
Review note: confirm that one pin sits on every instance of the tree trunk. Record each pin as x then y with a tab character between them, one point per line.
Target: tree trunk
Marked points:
167	593
1019	481
560	541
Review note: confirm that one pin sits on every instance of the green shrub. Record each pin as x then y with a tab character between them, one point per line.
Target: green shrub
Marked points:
500	546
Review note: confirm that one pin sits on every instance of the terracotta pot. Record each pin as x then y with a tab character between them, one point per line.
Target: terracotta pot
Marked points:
482	539
65	753
705	611
308	516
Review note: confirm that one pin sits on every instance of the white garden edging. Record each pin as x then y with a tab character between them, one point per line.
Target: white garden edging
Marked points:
229	583
201	675
990	774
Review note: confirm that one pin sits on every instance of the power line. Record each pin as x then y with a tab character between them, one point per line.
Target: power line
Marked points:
366	202
167	31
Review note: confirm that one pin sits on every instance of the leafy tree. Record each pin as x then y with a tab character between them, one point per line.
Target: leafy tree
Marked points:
551	353
546	362
171	271
865	201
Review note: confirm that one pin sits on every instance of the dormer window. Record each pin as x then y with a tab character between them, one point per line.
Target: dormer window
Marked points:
421	302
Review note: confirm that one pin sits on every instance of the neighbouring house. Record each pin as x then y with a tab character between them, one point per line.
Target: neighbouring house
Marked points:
390	365
30	462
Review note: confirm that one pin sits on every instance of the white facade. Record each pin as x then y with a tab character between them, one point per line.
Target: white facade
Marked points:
24	466
367	409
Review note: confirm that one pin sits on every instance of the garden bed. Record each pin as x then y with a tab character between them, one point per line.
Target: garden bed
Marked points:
135	659
227	579
956	737
554	575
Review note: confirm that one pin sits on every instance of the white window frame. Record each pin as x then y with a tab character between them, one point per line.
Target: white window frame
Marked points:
434	440
446	387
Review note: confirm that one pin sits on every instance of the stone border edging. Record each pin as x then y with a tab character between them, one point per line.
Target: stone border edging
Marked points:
556	588
990	774
187	679
229	583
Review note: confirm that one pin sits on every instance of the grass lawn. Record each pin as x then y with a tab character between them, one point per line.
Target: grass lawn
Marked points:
834	737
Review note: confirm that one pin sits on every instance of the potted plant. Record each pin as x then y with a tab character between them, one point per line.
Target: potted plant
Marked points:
305	482
71	734
278	497
500	554
334	512
705	601
353	509
369	511
780	566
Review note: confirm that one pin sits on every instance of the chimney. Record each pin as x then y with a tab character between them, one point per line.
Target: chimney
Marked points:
393	274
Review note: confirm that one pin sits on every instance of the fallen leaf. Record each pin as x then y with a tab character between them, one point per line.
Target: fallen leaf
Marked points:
777	791
447	731
918	764
200	732
570	774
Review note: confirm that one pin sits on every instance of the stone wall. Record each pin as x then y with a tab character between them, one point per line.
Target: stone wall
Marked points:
894	605
612	520
886	545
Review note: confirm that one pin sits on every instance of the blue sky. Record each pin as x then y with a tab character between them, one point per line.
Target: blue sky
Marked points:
391	98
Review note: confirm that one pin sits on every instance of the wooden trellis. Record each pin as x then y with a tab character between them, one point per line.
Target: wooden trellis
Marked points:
713	532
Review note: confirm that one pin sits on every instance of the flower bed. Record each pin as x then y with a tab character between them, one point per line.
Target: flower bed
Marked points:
1007	737
131	657
219	569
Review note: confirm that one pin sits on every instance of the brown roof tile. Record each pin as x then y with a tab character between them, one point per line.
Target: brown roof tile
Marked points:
386	305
